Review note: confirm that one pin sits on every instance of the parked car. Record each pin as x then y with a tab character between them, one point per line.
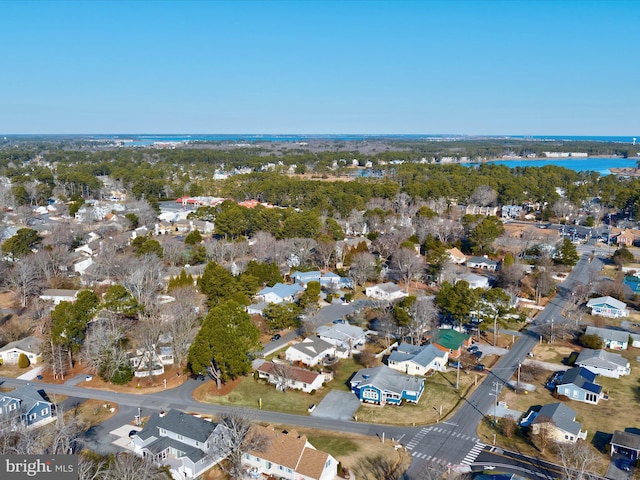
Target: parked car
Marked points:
311	408
277	336
479	367
455	364
339	321
472	348
478	354
624	464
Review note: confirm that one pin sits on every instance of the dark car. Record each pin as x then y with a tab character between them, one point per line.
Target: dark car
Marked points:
455	364
132	433
277	336
624	464
472	349
478	354
479	367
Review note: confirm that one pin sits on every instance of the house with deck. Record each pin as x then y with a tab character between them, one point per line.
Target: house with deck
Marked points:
559	421
383	385
601	362
189	446
578	384
289	456
608	307
418	359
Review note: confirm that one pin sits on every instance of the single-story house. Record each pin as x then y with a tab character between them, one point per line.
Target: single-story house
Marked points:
303	278
382	385
626	443
612	339
475	281
601	362
385	291
26	406
482	263
256	308
147	363
289	456
578	384
57	295
279	293
332	280
342	335
30	346
456	256
311	351
285	376
451	341
560	422
418	360
188	445
608	307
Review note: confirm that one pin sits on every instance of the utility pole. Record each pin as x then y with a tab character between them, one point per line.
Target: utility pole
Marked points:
495	328
457	374
518	383
496	385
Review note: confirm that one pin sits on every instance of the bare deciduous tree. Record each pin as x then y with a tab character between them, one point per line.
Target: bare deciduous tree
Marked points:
564	209
409	264
127	466
263	246
484	196
362	267
424	316
142	277
284	375
324	250
577	460
183	322
24	280
103	351
379	468
445	230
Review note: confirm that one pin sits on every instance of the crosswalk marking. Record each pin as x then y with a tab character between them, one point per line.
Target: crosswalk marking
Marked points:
473	454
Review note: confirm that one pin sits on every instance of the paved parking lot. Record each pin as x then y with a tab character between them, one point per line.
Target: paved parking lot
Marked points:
337	406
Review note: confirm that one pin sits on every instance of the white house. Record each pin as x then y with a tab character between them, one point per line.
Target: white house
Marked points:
147	363
30	346
475	281
288	456
456	256
601	362
342	335
385	291
285	376
311	351
57	295
279	293
608	307
418	360
482	263
188	445
612	339
559	422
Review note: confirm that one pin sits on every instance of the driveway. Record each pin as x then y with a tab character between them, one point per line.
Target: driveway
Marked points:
337	405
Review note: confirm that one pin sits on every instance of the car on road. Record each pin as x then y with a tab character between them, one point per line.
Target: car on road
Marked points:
277	336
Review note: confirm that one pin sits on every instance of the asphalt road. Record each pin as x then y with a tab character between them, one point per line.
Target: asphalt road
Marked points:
448	443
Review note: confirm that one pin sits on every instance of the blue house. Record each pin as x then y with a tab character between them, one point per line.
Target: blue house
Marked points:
578	384
382	385
25	405
608	307
302	278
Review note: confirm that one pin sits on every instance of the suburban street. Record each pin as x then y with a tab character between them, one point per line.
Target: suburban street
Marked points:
452	443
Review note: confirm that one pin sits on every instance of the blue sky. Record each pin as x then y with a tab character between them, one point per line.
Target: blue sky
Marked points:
466	67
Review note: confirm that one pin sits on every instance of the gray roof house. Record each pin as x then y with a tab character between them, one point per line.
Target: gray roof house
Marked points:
311	351
27	406
383	385
608	307
342	335
418	360
560	422
626	443
187	444
601	362
482	263
30	346
579	384
612	339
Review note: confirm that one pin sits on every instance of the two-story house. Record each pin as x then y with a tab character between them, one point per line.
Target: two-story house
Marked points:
188	445
288	456
26	406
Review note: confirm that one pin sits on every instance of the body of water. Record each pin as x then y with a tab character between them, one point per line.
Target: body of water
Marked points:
600	165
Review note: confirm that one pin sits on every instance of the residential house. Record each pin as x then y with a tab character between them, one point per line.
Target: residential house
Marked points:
559	422
30	346
382	385
385	291
456	256
332	280
601	362
303	278
279	293
256	308
578	384
511	211
451	341
188	445
311	351
627	237
81	265
418	360
611	339
343	336
482	263
26	406
475	281
626	443
480	210
285	376
608	307
57	295
151	363
288	456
